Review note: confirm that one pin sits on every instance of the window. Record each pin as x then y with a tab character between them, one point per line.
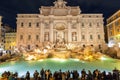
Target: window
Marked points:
98	24
83	37
47	26
28	46
118	30
74	36
29	37
37	24
22	24
82	24
111	26
99	46
74	27
46	36
98	36
116	23
111	38
21	37
91	37
91	45
29	24
84	46
90	24
37	37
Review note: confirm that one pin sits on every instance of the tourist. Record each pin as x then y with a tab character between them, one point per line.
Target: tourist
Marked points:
22	78
68	75
35	75
83	74
89	75
116	74
11	77
47	74
27	76
42	73
104	75
55	75
51	77
109	76
59	75
96	74
63	76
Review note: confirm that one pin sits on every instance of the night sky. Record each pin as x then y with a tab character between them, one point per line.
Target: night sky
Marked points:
9	8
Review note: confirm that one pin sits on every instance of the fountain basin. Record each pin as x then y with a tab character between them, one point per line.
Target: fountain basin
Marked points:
54	64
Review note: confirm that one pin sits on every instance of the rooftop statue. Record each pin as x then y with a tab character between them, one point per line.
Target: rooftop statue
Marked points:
60	3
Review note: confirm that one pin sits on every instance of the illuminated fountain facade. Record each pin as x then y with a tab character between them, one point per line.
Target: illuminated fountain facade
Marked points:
60	37
59	25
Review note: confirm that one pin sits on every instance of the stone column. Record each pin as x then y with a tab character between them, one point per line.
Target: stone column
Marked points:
54	38
65	36
51	31
69	32
42	32
78	32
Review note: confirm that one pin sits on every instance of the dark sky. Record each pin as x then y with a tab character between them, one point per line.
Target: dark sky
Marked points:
9	8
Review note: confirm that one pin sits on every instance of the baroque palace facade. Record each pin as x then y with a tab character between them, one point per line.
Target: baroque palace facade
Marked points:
113	29
1	34
0	30
60	23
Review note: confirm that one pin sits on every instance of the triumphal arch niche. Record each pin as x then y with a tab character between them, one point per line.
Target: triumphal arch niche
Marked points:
60	24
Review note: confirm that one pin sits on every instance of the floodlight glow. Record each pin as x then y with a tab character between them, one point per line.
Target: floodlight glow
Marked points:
102	58
45	51
30	57
76	59
58	59
119	45
1	49
111	43
70	46
48	47
40	60
37	51
88	57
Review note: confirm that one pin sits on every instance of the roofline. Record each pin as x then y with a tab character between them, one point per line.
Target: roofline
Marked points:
113	14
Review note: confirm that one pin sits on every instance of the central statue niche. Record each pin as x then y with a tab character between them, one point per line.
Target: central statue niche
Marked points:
60	34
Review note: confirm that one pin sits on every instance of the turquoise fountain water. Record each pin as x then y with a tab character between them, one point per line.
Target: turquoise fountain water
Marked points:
54	64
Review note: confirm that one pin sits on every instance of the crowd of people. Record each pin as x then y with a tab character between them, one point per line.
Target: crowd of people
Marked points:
64	75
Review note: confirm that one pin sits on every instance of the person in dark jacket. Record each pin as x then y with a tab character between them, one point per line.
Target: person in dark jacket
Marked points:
27	76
